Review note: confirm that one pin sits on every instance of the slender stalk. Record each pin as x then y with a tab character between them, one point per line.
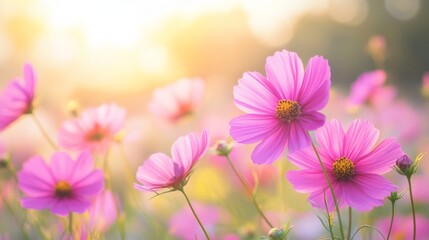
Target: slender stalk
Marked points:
249	191
332	191
327	214
349	228
43	131
71	224
391	220
412	207
195	214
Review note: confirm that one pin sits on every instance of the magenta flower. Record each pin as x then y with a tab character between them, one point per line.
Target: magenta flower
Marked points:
16	99
63	186
282	107
353	164
369	89
94	130
178	99
160	171
184	225
103	212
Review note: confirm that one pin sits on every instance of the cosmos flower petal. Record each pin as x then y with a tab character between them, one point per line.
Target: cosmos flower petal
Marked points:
91	184
306	159
314	92
311	120
317	198
271	147
38	203
62	165
303	181
366	191
331	136
254	95
60	208
298	137
359	139
30	81
382	159
187	149
250	128
82	166
285	71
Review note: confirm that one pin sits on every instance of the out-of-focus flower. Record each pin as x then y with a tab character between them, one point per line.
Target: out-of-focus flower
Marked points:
377	48
63	186
160	171
353	164
402	227
94	130
103	212
223	147
184	225
425	85
282	107
16	99
178	99
369	89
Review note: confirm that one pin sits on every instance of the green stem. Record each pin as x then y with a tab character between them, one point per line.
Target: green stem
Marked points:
71	224
195	214
391	220
328	215
412	207
332	191
249	191
349	228
43	131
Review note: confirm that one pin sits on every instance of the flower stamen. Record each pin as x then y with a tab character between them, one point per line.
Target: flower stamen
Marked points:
288	110
63	189
343	168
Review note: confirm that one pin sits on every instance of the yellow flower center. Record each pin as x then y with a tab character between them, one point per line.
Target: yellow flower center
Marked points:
63	189
343	168
288	110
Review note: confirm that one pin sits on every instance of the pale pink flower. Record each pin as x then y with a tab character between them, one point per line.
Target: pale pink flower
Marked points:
369	89
353	163
177	99
103	212
282	107
17	97
184	225
160	171
402	228
95	130
63	186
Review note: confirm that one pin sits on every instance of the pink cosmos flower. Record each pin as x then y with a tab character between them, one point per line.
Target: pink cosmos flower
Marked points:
63	186
103	212
402	228
282	107
368	88
160	171
94	130
353	164
16	99
178	99
184	225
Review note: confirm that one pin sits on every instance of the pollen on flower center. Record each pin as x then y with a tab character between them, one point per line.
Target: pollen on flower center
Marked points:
63	189
343	168
96	134
288	110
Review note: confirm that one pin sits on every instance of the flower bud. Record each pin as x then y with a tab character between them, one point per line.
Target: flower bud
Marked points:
404	163
277	233
223	148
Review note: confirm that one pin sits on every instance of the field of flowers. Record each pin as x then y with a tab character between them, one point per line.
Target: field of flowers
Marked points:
199	120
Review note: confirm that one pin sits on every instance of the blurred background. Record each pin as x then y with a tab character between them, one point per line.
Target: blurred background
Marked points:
90	52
